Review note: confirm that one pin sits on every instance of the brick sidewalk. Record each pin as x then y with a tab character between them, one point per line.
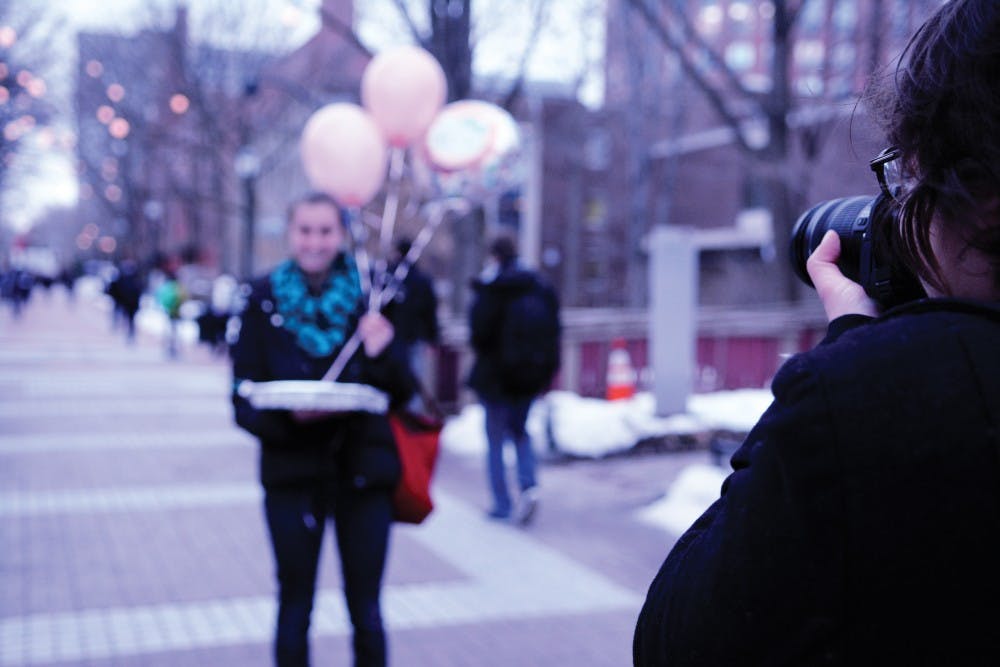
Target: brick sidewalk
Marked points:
132	535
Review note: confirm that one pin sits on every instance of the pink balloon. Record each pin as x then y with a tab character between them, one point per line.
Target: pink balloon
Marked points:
403	88
344	153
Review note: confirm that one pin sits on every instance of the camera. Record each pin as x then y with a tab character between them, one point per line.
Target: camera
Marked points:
866	254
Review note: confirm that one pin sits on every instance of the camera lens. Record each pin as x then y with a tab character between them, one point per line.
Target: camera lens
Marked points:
848	216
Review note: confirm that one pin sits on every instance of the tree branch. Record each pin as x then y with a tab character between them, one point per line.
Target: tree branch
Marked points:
714	95
719	65
339	27
410	23
515	90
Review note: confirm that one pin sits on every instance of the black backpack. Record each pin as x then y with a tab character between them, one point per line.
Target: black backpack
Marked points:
528	353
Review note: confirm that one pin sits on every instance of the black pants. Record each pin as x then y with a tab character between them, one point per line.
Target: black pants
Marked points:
296	519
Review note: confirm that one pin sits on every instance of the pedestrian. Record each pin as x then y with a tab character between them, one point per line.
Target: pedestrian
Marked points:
170	295
861	522
515	331
315	465
16	287
214	320
7	281
414	316
126	290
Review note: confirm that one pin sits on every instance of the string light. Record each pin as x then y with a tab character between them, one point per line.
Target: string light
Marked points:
7	36
119	128
179	103
116	92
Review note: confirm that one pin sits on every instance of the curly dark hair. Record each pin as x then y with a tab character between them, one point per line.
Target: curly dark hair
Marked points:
940	106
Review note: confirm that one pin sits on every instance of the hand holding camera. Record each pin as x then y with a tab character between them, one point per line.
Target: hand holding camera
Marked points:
856	268
839	294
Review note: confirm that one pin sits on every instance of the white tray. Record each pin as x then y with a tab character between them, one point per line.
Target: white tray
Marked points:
314	395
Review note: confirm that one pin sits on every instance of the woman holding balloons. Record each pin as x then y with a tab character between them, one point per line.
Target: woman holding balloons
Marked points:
317	464
316	317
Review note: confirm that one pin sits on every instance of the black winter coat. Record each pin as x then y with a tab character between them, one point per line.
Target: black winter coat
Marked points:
413	311
486	322
357	448
861	524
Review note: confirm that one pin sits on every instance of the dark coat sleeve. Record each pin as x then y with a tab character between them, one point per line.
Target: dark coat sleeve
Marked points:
250	363
485	319
427	327
485	316
750	582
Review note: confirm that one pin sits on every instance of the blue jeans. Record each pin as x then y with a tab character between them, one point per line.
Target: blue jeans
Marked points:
296	519
505	420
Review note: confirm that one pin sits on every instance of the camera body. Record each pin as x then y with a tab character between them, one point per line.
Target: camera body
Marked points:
866	256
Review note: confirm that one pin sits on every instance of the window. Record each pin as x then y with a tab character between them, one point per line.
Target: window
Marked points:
809	54
597	150
741	56
844	56
845	16
595	213
812	17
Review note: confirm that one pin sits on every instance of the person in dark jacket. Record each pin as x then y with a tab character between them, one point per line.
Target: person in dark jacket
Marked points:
413	313
316	465
126	290
506	407
861	522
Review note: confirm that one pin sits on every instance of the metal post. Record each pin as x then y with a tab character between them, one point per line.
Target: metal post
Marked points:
247	166
250	195
673	289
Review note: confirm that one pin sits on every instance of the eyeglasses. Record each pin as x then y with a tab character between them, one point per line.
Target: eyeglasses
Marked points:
888	170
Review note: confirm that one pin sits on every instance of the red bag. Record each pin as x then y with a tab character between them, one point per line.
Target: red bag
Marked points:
417	439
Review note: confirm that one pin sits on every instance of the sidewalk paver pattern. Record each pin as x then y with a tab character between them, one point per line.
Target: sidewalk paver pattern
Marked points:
131	529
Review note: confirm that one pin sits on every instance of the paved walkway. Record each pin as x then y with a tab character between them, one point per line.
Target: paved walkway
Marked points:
131	530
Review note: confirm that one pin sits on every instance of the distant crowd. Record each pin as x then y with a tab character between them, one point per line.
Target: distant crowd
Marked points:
182	286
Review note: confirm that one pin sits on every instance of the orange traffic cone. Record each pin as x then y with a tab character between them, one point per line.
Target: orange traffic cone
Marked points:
621	374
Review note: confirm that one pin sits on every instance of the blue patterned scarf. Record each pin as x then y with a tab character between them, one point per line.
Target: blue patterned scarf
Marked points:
318	322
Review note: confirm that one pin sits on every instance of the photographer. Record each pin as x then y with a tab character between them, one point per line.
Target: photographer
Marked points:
861	524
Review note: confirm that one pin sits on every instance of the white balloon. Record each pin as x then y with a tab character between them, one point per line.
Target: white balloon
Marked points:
474	148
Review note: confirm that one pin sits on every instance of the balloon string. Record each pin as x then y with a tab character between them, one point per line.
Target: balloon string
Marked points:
389	213
360	238
416	249
396	159
346	352
387	294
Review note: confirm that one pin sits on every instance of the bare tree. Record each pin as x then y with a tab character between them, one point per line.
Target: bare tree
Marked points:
761	120
455	31
26	108
184	88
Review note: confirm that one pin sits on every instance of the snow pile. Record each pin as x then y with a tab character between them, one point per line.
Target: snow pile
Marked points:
696	487
592	428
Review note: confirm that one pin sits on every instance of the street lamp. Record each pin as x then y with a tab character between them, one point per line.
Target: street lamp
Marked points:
247	166
153	210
